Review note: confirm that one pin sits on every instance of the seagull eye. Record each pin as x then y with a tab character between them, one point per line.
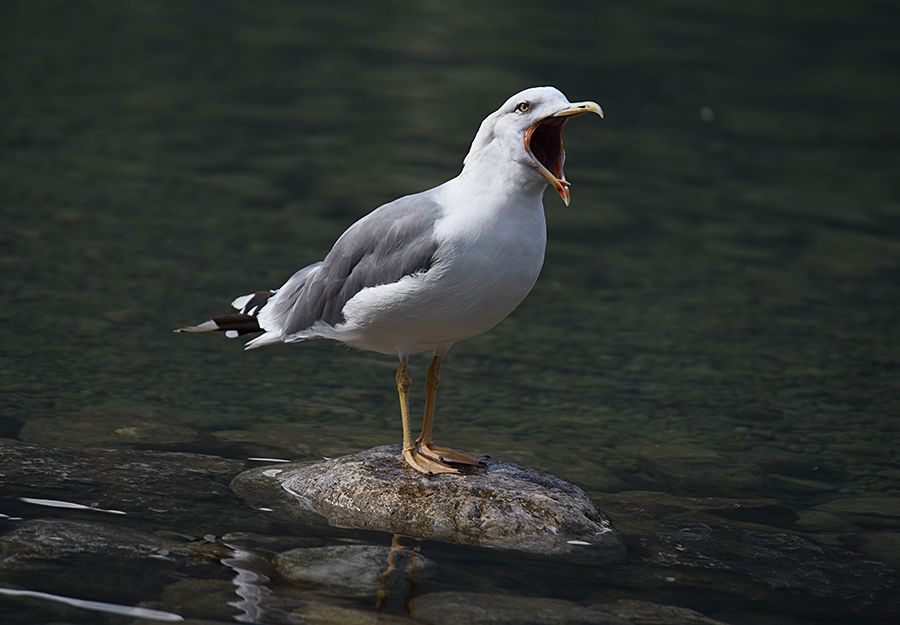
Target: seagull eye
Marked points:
523	107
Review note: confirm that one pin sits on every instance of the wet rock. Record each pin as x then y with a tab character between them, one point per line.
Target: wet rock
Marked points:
157	485
872	512
646	613
56	555
321	614
696	471
107	430
641	512
273	442
199	598
30	610
501	505
464	608
355	570
881	546
772	560
338	584
824	523
682	545
775	568
295	441
791	464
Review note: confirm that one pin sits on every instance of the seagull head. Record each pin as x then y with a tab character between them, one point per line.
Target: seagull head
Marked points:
528	131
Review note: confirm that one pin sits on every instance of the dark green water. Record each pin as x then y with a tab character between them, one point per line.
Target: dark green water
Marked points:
718	315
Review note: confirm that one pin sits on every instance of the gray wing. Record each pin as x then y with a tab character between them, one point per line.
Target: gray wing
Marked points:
393	241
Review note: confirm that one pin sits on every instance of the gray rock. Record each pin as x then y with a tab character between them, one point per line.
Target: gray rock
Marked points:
883	546
682	544
466	608
461	608
114	424
159	485
56	556
640	512
695	470
770	562
878	512
357	570
207	599
501	505
646	613
323	614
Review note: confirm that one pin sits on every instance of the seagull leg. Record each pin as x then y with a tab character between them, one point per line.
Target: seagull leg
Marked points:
411	455
424	442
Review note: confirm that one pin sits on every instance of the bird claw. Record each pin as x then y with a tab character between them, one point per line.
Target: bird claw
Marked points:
426	465
445	455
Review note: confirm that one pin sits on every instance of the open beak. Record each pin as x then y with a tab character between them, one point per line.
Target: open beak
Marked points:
544	145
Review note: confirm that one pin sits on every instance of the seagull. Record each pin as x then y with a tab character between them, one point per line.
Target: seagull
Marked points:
428	270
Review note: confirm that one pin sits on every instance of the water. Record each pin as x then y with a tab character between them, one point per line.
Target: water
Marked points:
717	316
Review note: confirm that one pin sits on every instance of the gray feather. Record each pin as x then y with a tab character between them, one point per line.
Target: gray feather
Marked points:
394	241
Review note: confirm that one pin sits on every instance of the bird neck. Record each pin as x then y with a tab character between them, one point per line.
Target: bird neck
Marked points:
490	169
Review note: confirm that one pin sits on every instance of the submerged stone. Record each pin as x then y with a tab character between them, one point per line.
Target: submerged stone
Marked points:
696	471
879	512
682	545
168	486
465	608
498	505
647	613
355	570
55	556
114	425
325	614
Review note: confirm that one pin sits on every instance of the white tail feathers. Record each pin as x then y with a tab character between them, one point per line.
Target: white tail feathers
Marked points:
269	338
206	326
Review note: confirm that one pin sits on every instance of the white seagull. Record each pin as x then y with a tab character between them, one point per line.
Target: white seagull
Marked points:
427	270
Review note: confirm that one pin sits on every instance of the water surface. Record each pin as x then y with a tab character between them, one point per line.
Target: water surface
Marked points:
718	312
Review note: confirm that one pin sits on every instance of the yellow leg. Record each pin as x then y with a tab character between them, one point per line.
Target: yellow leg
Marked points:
424	442
432	379
411	455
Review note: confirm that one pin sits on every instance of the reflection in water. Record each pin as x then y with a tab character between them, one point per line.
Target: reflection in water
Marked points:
56	503
250	585
259	603
384	585
95	606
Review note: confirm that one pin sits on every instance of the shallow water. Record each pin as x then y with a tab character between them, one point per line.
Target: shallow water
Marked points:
717	315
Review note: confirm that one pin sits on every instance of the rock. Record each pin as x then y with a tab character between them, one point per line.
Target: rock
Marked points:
824	523
56	556
116	424
501	505
157	485
300	442
466	608
646	613
355	570
881	546
640	512
322	614
784	463
197	597
696	471
769	567
681	544
866	511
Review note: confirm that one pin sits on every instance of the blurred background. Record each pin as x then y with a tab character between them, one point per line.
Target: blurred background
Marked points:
717	315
